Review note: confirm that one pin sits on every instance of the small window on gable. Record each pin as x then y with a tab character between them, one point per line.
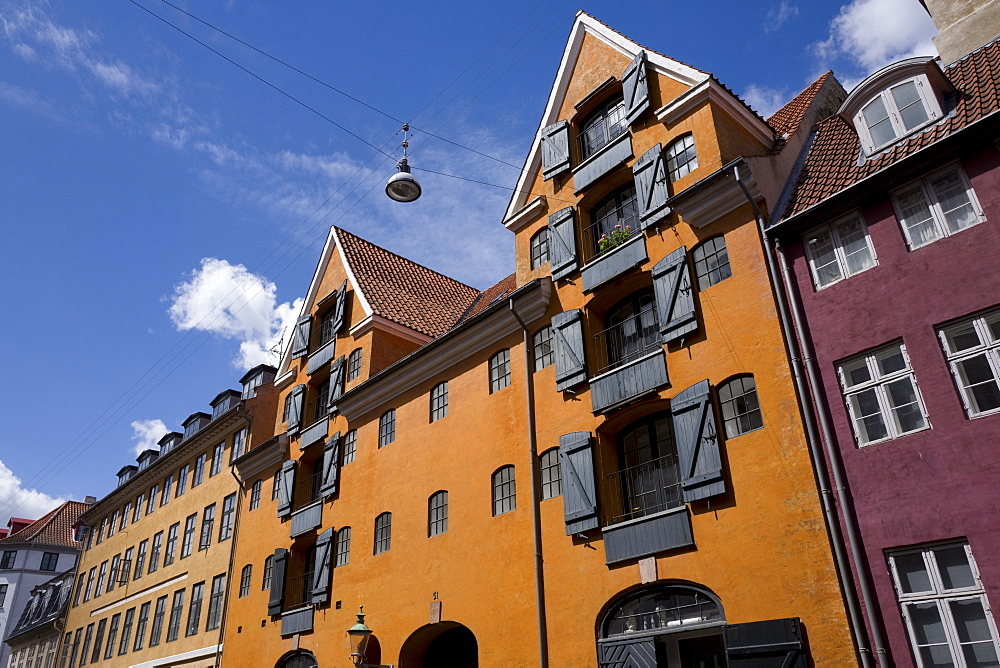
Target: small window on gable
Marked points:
839	250
326	333
896	111
681	157
601	126
540	248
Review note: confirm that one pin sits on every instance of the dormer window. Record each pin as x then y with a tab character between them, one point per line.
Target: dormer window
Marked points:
603	125
895	112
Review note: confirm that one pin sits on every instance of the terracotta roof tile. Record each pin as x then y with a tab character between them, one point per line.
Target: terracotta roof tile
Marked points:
55	528
786	120
403	291
490	295
832	163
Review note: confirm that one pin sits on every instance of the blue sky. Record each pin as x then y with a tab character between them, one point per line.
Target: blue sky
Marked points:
163	210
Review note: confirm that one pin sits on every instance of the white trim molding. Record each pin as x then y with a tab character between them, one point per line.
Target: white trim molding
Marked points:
526	214
183	657
712	91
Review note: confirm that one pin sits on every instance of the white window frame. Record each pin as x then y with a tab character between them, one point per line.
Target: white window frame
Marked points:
833	228
937	214
878	382
990	349
927	96
941	596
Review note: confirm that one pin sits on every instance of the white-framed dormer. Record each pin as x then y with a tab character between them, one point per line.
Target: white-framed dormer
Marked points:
896	102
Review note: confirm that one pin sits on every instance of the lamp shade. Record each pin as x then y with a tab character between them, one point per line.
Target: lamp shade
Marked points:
402	187
358	635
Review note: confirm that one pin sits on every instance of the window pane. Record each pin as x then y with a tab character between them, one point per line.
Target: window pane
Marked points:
979	382
912	572
928	629
824	258
954	200
905	409
911	108
963	338
891	361
953	565
877	119
855	245
871	425
856	373
917	216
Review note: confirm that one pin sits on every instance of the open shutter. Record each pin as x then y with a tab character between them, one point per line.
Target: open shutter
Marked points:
286	488
567	330
576	461
274	603
338	313
631	653
650	173
300	338
674	297
776	643
336	382
562	243
322	573
555	149
697	443
331	461
635	88
295	408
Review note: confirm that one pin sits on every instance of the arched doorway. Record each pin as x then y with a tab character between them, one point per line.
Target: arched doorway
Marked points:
298	660
442	645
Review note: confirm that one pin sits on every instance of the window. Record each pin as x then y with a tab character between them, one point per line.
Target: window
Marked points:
171	551
350	446
182	477
194	611
612	221
217	454
207	524
255	494
499	371
681	158
326	333
630	331
246	577
944	606
551	473
839	250
343	547
140	627
140	559
109	651
541	342
896	111
176	609
239	440
664	608
188	540
936	206
322	400
3	592
226	521
168	484
98	641
387	428
79	589
648	479
154	555
158	616
287	411
275	485
711	262
437	513
973	351
49	561
383	532
137	513
268	570
439	401
90	583
354	364
601	126
126	631
540	248
504	492
199	469
881	395
113	524
739	405
100	531
7	560
126	567
215	602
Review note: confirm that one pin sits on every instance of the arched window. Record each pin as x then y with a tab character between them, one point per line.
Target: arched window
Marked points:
681	158
326	333
612	221
268	569
387	428
439	401
601	126
739	405
354	364
246	577
548	463
299	660
648	481
711	262
500	371
541	342
350	447
540	248
343	547
630	331
504	491
664	609
383	532
437	513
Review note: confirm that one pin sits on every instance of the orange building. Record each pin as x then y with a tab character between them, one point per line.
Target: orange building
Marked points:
601	460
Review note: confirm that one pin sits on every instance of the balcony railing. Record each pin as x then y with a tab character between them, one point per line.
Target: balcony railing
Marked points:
307	491
631	339
644	489
603	237
298	591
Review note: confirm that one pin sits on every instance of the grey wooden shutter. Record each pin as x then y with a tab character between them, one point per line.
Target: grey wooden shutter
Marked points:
338	313
322	571
279	566
336	382
331	462
562	243
775	643
300	337
635	87
296	408
567	331
576	461
286	488
674	296
697	443
631	653
650	174
555	149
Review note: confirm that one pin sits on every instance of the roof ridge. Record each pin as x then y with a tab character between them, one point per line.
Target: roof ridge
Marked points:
972	53
639	44
39	526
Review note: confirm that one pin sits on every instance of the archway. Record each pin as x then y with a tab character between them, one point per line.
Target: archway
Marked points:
442	645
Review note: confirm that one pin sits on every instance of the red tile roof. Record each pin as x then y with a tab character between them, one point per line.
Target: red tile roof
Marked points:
490	295
402	290
832	163
55	528
786	120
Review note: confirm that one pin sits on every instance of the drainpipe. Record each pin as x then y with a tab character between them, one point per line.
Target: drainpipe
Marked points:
536	514
819	468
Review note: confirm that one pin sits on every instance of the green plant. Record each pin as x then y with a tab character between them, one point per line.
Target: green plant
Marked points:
614	238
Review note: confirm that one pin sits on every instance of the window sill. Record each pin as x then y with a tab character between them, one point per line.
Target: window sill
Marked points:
612	154
610	264
862	446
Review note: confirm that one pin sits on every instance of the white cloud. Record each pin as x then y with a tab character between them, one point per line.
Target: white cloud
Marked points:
19	501
780	15
230	301
146	433
765	100
870	34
